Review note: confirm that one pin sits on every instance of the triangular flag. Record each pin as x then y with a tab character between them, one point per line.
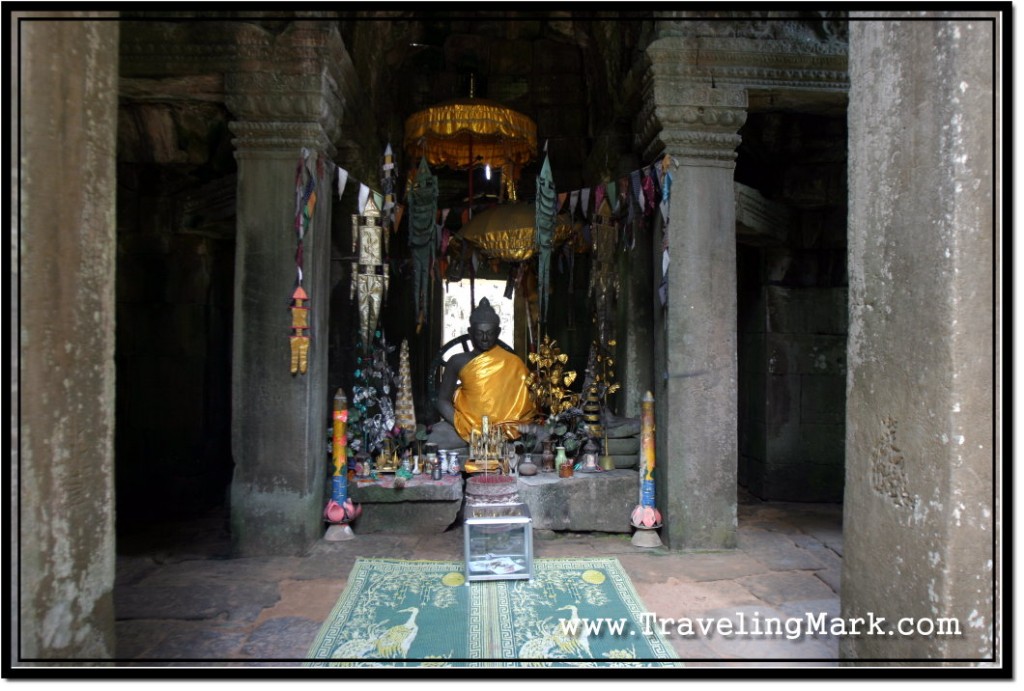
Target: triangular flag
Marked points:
584	200
364	194
342	180
637	188
562	196
573	199
378	199
598	196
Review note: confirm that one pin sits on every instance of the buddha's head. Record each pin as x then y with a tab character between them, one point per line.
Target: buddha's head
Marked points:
484	326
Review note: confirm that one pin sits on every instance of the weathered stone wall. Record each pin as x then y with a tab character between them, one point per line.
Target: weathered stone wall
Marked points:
918	527
62	498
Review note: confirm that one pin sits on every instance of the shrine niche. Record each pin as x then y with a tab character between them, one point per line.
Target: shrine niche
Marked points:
544	155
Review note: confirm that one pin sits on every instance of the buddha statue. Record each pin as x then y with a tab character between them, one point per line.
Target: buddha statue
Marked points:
487	380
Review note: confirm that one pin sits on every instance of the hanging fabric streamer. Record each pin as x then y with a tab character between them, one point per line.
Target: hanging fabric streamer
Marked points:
666	187
422	235
545	223
299	338
638	192
305	205
648	191
387	182
370	274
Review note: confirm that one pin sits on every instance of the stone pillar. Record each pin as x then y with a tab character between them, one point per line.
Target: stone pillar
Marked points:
696	369
285	99
920	456
62	493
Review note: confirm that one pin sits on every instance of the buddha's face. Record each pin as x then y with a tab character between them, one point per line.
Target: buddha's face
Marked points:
484	336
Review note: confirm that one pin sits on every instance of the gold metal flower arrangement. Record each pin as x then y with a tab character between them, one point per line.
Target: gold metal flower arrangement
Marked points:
604	372
549	381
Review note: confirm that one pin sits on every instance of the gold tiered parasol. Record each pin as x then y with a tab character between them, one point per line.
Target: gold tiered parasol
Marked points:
464	131
459	132
506	231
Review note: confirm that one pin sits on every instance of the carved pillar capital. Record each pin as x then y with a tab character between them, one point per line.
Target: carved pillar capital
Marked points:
284	89
691	120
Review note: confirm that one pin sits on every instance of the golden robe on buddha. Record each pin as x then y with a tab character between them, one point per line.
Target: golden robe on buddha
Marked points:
493	384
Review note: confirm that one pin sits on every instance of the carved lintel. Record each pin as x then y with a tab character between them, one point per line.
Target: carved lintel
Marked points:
821	29
750	63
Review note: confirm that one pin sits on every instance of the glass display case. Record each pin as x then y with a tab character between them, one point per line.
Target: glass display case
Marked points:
499	542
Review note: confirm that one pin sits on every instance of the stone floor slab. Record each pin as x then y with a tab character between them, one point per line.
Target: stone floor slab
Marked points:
194	641
787	586
285	637
222	602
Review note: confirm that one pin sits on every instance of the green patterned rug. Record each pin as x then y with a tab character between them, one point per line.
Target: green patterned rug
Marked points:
424	613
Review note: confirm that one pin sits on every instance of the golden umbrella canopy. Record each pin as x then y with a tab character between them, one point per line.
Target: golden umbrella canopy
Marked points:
506	231
459	132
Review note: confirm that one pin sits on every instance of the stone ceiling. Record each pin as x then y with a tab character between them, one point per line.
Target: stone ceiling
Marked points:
575	73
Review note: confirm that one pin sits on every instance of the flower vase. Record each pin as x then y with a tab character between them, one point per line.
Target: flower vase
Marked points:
547	457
